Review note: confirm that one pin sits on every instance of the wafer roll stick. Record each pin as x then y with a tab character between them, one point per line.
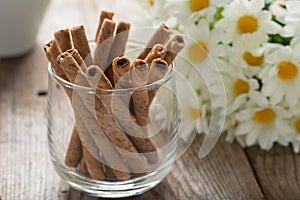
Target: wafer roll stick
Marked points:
74	150
158	69
97	78
107	123
158	51
104	15
76	55
63	39
174	46
104	43
118	47
52	50
160	36
94	167
121	71
140	99
82	166
81	43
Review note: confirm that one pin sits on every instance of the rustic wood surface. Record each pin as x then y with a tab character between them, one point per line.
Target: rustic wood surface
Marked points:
229	172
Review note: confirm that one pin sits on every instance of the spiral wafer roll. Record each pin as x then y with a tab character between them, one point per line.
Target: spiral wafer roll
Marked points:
74	151
174	46
104	15
118	47
63	39
158	51
104	43
81	43
160	36
76	55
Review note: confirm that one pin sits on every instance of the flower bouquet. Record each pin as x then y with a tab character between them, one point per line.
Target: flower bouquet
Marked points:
253	45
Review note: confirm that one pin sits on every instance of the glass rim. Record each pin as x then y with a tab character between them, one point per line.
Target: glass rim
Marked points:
69	84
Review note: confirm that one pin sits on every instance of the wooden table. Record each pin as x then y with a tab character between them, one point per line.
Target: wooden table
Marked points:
229	172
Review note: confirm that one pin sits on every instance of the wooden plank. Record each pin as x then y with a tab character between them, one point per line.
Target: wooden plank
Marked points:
277	171
224	174
24	157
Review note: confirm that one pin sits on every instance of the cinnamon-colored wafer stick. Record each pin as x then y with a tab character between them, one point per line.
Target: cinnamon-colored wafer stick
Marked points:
74	151
140	99
97	77
82	166
158	51
121	71
160	36
118	47
94	167
104	15
63	38
75	54
81	43
68	64
73	155
52	50
158	69
104	43
174	46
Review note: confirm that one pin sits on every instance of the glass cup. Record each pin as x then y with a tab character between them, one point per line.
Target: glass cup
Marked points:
96	143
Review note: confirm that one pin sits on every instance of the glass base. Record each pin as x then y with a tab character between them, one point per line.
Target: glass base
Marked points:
117	189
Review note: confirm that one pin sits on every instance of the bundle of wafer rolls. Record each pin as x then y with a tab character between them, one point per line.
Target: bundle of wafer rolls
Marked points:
101	134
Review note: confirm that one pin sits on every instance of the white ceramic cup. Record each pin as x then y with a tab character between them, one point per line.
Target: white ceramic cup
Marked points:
19	25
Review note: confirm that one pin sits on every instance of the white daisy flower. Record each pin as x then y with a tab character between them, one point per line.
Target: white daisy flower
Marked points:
238	89
187	10
263	123
193	112
295	126
247	56
282	78
203	49
291	19
155	14
244	20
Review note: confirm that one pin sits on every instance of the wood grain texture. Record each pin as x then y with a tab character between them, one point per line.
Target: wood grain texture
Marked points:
278	172
225	174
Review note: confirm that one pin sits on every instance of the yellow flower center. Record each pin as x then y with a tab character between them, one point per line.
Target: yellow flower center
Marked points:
264	116
297	125
198	52
151	2
287	70
194	113
240	87
197	5
253	60
247	24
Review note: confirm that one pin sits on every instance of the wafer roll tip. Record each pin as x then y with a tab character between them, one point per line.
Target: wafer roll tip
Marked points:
160	64
140	65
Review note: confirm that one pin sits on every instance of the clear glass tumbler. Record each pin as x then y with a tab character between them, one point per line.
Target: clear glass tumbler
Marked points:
95	142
